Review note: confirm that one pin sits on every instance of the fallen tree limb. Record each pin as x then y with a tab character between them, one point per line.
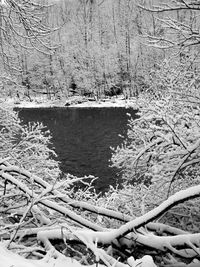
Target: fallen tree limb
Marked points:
133	232
86	206
47	203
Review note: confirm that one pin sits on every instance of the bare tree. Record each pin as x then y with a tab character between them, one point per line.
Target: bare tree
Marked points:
22	26
179	23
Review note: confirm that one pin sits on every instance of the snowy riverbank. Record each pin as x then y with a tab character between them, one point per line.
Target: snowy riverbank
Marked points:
73	102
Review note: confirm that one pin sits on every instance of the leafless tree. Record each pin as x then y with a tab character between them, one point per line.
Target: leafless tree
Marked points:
179	23
23	26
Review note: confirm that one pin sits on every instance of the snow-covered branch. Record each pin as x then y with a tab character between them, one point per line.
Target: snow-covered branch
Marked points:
142	230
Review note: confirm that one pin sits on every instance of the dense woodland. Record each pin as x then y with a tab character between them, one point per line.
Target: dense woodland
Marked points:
92	48
147	50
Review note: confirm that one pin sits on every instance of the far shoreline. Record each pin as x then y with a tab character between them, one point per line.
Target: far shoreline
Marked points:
71	102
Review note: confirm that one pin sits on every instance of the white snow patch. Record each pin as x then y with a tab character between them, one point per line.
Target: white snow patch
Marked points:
10	259
113	102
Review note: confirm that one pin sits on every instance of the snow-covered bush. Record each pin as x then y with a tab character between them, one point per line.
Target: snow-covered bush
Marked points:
177	76
27	145
161	155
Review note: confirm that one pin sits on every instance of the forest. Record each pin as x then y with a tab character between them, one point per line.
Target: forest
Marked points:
146	50
92	47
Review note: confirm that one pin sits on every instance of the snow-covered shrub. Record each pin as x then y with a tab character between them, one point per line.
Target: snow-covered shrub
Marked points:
161	155
177	77
27	146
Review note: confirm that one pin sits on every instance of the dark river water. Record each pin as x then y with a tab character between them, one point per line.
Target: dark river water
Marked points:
82	138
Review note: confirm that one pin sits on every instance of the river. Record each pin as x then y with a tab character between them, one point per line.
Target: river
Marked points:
82	138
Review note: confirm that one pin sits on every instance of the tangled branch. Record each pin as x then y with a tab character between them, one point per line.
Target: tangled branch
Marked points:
41	203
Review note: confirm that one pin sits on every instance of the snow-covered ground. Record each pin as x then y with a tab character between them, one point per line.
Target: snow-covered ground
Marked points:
72	102
10	259
118	102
